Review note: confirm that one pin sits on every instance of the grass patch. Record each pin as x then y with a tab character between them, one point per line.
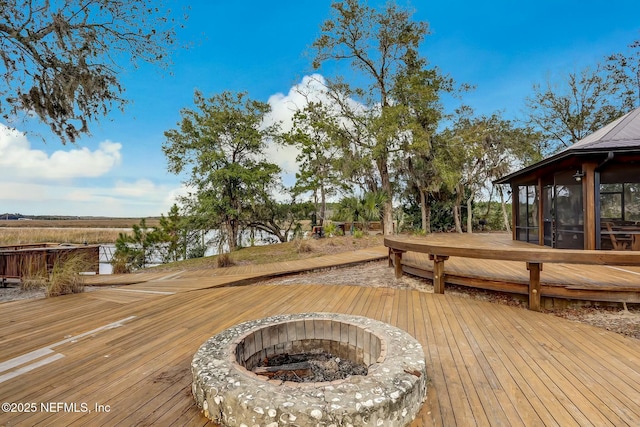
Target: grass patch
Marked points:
303	246
34	277
280	252
66	277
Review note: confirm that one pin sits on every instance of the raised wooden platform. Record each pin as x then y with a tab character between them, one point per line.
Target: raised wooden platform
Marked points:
597	282
488	364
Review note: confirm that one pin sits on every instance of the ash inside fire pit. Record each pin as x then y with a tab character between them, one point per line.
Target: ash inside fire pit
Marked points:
317	366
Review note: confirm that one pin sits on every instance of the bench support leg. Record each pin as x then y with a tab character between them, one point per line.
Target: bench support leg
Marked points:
397	259
438	272
534	285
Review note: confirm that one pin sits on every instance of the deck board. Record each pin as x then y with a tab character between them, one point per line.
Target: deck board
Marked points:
488	364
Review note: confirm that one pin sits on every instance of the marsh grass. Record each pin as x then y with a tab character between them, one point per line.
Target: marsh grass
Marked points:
79	223
15	235
34	276
66	277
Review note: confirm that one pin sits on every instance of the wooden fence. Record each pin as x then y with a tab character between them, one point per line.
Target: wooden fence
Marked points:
19	261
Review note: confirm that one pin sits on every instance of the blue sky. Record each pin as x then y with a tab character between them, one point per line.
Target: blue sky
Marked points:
501	47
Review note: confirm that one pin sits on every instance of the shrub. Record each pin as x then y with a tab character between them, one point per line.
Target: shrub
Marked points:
303	246
66	277
197	251
224	260
358	234
120	264
330	230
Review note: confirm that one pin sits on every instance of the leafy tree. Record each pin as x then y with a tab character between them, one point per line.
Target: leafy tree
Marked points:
279	219
312	134
568	111
173	235
428	176
61	59
136	250
222	142
483	149
378	44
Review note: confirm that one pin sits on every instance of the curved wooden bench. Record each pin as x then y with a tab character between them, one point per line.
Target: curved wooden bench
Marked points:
441	247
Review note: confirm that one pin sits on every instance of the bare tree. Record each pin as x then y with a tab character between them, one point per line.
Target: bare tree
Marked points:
624	70
567	111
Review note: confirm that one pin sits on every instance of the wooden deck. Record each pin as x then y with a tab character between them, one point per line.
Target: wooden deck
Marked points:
129	350
608	283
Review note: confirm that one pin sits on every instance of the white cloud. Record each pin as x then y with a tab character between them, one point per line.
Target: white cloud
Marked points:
131	199
18	159
283	107
74	181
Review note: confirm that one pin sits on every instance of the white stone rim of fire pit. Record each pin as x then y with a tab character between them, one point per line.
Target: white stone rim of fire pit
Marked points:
390	394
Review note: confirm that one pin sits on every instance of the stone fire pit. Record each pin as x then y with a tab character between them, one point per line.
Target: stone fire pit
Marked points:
230	394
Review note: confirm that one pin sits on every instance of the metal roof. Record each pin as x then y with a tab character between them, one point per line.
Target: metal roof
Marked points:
621	135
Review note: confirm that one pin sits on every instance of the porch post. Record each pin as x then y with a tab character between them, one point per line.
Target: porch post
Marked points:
589	204
540	213
514	211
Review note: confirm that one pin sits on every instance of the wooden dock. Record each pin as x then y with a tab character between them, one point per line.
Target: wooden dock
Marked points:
124	353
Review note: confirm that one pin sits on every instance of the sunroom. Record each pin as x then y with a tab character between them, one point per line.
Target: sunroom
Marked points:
586	196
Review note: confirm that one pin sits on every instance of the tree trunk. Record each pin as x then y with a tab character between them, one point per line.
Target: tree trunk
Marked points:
428	225
456	209
488	214
505	216
456	218
323	204
470	215
232	236
387	219
423	210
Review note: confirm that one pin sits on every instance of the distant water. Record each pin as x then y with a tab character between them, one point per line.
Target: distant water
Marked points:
260	238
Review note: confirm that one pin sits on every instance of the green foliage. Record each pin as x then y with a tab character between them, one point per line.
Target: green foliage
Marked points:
358	234
313	132
381	45
441	214
172	232
363	209
491	212
63	59
134	251
222	142
171	241
196	251
331	230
